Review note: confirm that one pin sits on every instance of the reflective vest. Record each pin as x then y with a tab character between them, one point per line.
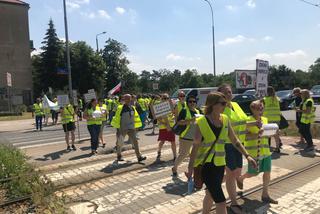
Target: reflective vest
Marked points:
188	117
109	101
68	114
238	120
257	149
272	109
308	118
80	104
38	110
218	152
116	120
91	120
102	108
170	119
180	106
142	103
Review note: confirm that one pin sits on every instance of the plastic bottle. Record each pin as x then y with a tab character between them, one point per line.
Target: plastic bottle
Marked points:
190	185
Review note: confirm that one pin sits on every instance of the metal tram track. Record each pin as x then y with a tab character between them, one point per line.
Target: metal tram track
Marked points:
245	193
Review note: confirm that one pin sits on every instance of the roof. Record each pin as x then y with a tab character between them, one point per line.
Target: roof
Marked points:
14	2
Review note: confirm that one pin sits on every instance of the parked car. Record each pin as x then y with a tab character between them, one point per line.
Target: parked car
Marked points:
244	101
250	92
200	93
286	98
315	93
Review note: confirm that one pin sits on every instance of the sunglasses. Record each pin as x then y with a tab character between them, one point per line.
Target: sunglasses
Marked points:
182	96
192	101
165	98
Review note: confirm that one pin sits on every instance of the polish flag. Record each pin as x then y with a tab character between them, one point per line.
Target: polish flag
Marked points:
115	89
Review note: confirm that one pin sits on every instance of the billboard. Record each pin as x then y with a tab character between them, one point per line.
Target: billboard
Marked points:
246	79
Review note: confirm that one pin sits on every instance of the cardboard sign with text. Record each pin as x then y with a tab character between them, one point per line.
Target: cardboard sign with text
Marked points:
161	109
63	100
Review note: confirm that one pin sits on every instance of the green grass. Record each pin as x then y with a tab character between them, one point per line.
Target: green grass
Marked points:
27	182
25	115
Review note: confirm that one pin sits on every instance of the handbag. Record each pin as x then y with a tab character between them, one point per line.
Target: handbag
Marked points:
283	122
178	129
197	171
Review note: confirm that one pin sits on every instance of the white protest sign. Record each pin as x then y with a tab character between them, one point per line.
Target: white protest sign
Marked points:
9	79
75	99
161	109
63	100
88	97
262	78
90	91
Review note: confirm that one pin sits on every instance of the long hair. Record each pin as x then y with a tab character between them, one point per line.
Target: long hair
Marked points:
305	93
270	91
212	99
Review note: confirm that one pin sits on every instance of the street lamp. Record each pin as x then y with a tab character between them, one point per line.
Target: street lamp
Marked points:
67	51
97	42
213	43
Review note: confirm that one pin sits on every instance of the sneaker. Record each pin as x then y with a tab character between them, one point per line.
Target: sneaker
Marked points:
142	158
119	158
269	200
309	148
73	147
276	150
68	148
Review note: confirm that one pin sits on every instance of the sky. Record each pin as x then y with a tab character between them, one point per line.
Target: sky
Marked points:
177	34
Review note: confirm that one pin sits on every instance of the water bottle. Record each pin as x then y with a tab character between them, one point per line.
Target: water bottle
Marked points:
190	185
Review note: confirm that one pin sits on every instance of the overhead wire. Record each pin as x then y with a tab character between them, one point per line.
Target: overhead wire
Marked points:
311	3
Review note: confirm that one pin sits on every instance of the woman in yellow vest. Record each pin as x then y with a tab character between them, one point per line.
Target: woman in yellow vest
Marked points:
67	119
93	115
272	112
212	132
187	118
37	113
307	117
258	148
165	131
238	120
181	103
102	107
155	100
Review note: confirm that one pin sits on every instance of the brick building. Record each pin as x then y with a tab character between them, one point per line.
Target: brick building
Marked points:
15	54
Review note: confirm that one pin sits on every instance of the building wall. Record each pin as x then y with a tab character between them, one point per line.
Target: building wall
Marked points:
15	53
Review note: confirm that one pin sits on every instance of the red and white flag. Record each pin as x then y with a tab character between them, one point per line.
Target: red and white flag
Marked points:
116	89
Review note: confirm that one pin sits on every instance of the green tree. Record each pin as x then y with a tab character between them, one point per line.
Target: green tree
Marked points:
116	63
36	75
191	79
281	77
314	70
52	59
88	68
145	82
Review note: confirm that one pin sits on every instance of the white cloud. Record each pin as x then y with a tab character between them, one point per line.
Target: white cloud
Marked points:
251	4
90	15
72	5
120	10
133	16
175	57
267	38
104	14
36	52
291	55
262	56
232	40
318	25
80	1
231	7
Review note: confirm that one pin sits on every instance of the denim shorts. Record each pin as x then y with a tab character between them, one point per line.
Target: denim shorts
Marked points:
233	157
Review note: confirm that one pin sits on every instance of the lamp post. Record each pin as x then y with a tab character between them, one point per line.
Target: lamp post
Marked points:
213	42
97	42
67	51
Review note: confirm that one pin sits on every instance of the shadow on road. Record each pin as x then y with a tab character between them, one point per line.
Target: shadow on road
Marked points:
177	187
253	206
117	165
52	156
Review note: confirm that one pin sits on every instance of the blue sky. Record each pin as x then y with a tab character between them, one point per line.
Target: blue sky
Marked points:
176	34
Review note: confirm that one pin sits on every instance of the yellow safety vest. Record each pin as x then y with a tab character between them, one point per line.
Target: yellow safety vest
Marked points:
256	149
238	120
38	110
68	114
103	107
170	119
180	106
188	117
91	120
116	120
308	118
142	103
218	152
272	109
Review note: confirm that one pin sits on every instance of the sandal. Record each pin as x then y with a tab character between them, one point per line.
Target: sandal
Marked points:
235	208
269	200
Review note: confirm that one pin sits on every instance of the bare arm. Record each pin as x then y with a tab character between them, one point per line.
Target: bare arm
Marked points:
196	144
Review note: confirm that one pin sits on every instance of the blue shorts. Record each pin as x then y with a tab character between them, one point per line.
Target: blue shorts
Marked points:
233	157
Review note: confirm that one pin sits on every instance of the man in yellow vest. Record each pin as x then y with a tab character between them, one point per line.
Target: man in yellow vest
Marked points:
181	103
272	113
126	121
67	119
37	113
